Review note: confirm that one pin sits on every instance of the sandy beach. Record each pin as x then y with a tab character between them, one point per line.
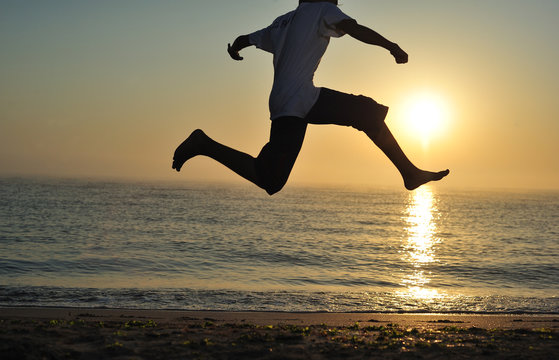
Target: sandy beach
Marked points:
74	333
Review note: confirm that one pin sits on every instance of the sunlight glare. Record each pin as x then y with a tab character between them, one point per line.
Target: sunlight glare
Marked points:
419	247
418	292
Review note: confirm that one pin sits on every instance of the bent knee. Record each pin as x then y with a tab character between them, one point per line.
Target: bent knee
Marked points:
270	178
370	116
273	187
273	169
272	191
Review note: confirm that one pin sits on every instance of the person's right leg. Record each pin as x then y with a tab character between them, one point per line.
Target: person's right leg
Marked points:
413	176
270	170
365	114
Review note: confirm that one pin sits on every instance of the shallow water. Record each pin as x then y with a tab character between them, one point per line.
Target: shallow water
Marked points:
188	246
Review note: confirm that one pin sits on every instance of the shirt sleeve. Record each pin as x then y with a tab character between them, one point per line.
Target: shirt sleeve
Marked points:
261	39
264	39
332	15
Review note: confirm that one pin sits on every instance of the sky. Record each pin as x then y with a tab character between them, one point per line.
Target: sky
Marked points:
108	89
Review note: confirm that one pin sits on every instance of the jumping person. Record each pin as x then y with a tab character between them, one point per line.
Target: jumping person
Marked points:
298	40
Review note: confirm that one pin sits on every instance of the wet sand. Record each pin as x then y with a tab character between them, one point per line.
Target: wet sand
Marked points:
73	333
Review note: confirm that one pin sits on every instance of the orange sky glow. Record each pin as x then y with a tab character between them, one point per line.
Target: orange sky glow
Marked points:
108	90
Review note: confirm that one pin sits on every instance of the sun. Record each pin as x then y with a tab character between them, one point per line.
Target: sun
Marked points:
426	115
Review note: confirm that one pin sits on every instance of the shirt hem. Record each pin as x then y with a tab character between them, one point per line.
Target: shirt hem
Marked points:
298	114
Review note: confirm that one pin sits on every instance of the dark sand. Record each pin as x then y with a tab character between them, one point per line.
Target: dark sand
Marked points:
72	333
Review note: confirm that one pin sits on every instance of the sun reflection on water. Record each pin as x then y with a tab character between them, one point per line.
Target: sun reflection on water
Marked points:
419	247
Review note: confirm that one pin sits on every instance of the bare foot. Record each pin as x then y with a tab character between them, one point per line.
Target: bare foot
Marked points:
188	149
422	177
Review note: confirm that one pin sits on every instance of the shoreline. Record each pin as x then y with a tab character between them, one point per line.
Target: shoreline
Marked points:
482	320
93	333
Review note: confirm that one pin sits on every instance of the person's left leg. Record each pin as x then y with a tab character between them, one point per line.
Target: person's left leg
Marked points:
198	143
277	157
270	170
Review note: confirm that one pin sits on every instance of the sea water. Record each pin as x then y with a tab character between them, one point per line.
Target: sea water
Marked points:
231	247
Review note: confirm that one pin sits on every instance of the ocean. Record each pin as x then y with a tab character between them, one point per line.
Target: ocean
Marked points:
95	244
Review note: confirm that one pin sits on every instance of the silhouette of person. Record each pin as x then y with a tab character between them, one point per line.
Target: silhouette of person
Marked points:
298	40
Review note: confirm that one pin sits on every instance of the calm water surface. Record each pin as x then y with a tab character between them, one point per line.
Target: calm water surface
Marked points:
108	244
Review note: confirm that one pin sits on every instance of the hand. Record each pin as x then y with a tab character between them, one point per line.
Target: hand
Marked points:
233	53
400	55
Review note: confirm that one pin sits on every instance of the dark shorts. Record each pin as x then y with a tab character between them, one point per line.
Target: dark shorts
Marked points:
275	161
338	108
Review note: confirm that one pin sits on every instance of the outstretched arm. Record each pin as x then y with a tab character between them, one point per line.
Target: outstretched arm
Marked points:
369	36
240	43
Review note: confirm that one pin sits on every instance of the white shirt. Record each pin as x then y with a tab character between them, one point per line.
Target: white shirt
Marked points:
298	40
